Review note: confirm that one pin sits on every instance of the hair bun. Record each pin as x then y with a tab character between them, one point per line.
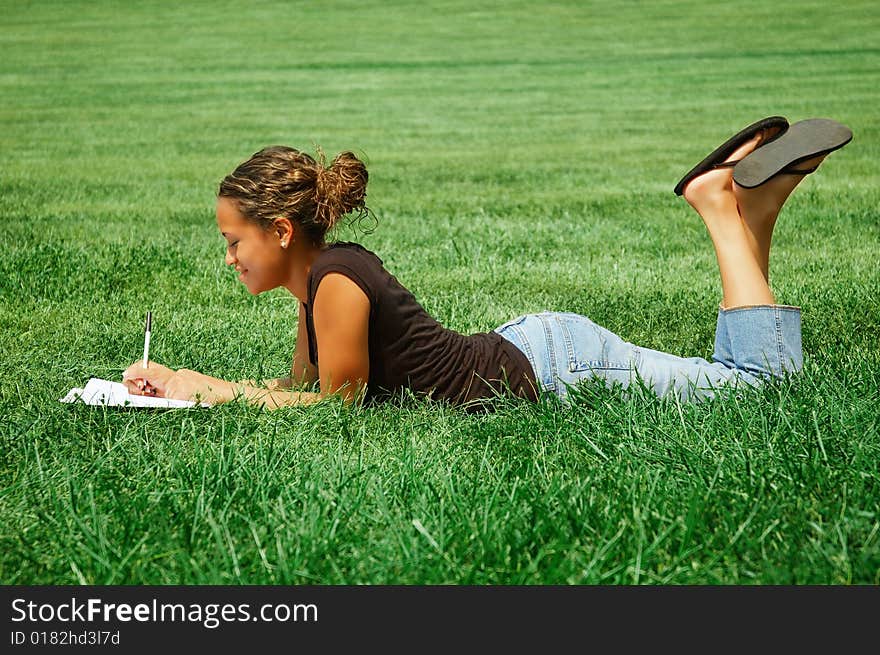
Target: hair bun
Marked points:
283	182
340	189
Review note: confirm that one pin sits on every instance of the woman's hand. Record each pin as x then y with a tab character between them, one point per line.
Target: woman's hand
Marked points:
184	384
150	381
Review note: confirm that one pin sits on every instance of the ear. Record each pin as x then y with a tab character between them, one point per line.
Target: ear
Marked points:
283	229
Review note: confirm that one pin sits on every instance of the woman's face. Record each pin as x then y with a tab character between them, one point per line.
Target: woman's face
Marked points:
255	253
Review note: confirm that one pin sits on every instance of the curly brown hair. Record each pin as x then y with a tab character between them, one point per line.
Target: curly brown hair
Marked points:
279	181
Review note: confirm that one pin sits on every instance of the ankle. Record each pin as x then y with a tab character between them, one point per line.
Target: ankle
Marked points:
724	228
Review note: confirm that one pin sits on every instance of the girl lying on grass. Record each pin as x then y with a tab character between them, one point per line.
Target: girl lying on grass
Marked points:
363	336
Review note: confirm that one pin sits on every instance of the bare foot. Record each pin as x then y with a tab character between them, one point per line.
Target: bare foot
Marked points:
762	203
760	206
712	194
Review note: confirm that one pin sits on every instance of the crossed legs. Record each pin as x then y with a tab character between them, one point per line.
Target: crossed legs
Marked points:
740	222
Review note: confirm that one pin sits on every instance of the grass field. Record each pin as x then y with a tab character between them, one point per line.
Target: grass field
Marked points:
522	157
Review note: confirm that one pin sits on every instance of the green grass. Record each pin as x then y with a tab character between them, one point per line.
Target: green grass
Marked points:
522	158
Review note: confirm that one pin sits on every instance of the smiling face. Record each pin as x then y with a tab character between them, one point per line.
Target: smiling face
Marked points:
255	252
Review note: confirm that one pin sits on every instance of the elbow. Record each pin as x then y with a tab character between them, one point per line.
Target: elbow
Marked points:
350	392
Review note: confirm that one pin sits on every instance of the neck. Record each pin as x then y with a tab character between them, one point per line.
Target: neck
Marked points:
301	259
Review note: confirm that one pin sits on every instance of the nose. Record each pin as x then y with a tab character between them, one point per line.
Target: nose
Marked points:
230	260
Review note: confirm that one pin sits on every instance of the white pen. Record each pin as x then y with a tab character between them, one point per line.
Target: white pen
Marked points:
147	328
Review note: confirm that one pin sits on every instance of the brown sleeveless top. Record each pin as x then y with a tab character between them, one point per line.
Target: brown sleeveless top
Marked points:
411	350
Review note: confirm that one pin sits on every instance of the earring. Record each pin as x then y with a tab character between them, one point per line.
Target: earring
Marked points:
284	244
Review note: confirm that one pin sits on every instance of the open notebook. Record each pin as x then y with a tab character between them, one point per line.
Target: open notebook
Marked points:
115	394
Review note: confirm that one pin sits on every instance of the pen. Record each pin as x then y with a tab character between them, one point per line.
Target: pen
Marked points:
147	328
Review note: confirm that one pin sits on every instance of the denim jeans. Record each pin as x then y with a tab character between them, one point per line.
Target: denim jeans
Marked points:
751	344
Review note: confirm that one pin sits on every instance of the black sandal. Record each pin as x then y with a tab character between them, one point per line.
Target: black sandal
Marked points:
716	158
803	140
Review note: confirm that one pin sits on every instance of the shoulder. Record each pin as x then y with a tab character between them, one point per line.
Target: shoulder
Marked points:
347	251
349	260
338	294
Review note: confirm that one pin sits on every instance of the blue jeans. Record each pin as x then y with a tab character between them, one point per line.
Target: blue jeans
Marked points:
751	344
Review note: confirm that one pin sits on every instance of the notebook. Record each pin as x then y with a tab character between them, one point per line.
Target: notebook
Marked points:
115	394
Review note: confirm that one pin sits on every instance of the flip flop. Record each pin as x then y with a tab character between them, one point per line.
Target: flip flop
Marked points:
803	140
716	158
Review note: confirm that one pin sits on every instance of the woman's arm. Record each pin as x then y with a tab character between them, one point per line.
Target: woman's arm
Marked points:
191	384
342	330
186	384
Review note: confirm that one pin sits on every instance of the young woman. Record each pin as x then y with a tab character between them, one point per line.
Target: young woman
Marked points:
362	335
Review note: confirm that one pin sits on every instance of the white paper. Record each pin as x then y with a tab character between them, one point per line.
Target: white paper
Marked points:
115	394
